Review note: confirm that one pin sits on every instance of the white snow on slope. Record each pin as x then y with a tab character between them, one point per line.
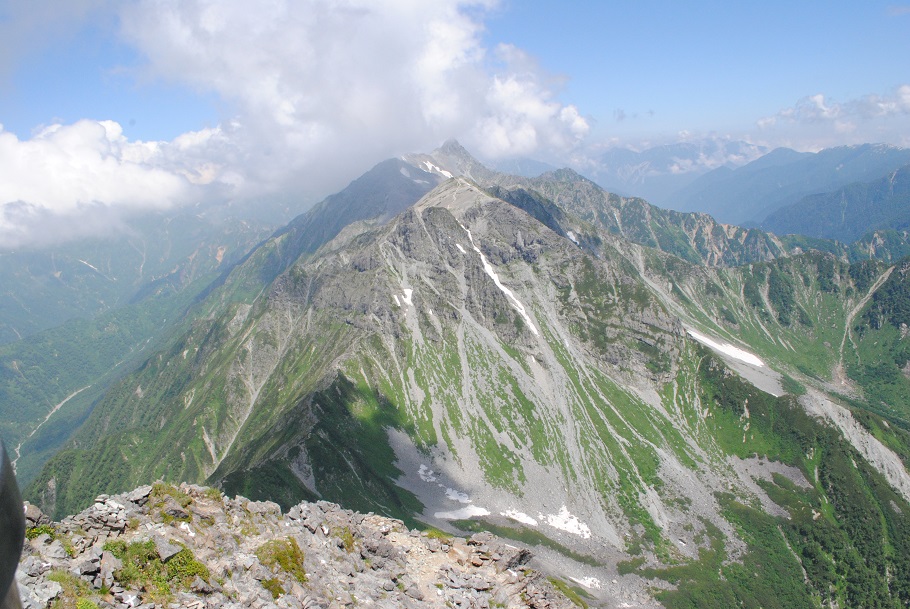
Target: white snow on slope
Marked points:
460	249
588	582
564	521
727	349
572	237
426	474
431	167
397	302
519	517
488	268
407	297
458	496
465	512
94	268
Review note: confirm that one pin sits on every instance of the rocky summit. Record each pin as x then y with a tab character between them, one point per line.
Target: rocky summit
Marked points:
190	546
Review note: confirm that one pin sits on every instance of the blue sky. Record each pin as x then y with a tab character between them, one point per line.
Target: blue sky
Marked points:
230	99
638	70
709	66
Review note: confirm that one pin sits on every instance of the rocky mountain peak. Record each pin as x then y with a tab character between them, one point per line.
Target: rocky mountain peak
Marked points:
190	546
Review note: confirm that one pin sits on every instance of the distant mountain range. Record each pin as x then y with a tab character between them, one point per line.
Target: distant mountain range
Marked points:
658	173
849	213
749	194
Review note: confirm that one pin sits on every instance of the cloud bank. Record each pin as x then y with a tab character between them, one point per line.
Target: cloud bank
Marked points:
872	117
314	91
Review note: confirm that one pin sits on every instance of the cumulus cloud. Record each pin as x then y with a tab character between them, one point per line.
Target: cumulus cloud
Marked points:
868	117
521	116
329	85
313	92
82	179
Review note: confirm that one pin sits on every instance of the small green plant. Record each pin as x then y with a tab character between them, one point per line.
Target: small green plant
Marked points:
74	591
160	491
41	529
67	545
84	603
273	585
143	568
347	538
433	533
569	592
117	547
213	493
183	568
630	566
283	554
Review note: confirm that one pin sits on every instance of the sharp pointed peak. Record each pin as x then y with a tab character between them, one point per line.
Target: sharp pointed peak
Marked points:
453	146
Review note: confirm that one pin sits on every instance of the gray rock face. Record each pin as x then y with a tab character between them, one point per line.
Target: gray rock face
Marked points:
249	554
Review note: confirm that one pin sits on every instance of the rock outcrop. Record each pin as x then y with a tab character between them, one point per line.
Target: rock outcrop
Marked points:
189	546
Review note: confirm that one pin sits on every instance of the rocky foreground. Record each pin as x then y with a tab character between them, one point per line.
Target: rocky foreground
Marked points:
189	546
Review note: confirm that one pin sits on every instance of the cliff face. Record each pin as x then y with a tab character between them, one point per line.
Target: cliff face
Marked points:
190	546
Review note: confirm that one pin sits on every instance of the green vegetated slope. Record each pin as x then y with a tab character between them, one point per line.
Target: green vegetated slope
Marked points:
113	300
128	292
812	316
49	382
842	538
43	288
565	378
850	212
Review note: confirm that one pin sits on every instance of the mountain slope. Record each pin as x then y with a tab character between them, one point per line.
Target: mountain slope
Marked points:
847	214
498	362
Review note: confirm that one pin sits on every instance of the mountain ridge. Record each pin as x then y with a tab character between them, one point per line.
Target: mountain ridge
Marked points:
488	359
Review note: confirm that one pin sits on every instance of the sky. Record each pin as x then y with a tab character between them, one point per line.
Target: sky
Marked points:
115	108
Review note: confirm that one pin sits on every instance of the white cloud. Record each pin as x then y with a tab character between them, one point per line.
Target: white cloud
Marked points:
817	118
313	91
322	87
79	180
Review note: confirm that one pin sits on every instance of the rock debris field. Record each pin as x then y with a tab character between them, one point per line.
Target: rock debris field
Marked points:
189	546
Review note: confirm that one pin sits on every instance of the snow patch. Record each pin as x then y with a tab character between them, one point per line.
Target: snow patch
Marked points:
460	249
488	268
591	583
407	297
94	268
520	517
727	349
564	521
458	496
405	172
572	237
464	513
431	167
397	302
426	474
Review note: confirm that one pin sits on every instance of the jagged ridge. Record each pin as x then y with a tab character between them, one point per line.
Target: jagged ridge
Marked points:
159	545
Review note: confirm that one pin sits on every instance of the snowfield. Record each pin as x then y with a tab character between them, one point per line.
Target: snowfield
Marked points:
464	513
564	521
519	517
727	349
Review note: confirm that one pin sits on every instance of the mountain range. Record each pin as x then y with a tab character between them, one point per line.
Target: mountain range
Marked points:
668	408
750	193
